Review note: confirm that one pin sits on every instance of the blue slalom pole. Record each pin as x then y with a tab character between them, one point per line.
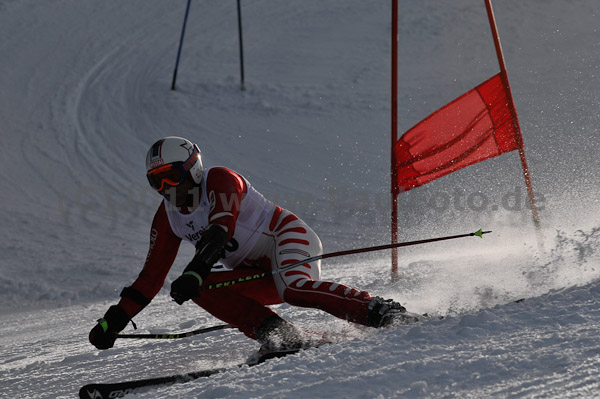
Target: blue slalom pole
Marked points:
187	11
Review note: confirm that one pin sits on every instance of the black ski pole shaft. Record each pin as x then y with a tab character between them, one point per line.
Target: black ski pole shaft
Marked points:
262	274
175	335
185	18
240	36
478	233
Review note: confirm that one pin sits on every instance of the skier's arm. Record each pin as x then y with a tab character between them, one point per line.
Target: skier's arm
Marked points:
226	190
163	250
164	245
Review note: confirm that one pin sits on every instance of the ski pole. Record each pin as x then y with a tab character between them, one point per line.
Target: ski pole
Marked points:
479	233
176	335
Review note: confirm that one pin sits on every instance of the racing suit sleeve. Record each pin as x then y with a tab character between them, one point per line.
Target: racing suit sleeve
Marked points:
164	245
225	189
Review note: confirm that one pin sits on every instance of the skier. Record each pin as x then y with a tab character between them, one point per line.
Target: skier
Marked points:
227	220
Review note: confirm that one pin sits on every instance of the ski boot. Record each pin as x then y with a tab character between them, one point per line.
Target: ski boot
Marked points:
385	312
278	338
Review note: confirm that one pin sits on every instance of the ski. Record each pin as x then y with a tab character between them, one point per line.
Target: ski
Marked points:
408	318
120	389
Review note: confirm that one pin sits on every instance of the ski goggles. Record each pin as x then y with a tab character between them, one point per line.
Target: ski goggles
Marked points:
172	174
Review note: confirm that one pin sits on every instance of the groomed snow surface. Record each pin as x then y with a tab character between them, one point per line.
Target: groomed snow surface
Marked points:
84	91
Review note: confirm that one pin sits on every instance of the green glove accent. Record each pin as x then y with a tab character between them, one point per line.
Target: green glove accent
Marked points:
104	324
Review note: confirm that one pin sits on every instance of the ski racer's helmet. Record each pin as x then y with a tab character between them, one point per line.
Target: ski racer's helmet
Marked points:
169	161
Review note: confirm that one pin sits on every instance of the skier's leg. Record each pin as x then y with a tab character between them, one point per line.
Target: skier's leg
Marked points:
241	305
302	285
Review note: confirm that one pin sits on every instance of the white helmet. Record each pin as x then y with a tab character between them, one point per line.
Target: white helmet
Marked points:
178	151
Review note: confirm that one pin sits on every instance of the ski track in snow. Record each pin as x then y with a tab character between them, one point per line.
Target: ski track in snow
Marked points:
85	91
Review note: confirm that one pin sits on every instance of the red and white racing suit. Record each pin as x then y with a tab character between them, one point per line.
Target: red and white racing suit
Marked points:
263	238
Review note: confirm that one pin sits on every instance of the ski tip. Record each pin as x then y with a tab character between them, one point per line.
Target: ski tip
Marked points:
90	391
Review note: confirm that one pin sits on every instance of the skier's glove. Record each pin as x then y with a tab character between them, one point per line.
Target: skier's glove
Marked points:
104	334
185	287
208	251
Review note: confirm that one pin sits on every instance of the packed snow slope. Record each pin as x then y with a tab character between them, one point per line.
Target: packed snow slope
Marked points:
85	90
